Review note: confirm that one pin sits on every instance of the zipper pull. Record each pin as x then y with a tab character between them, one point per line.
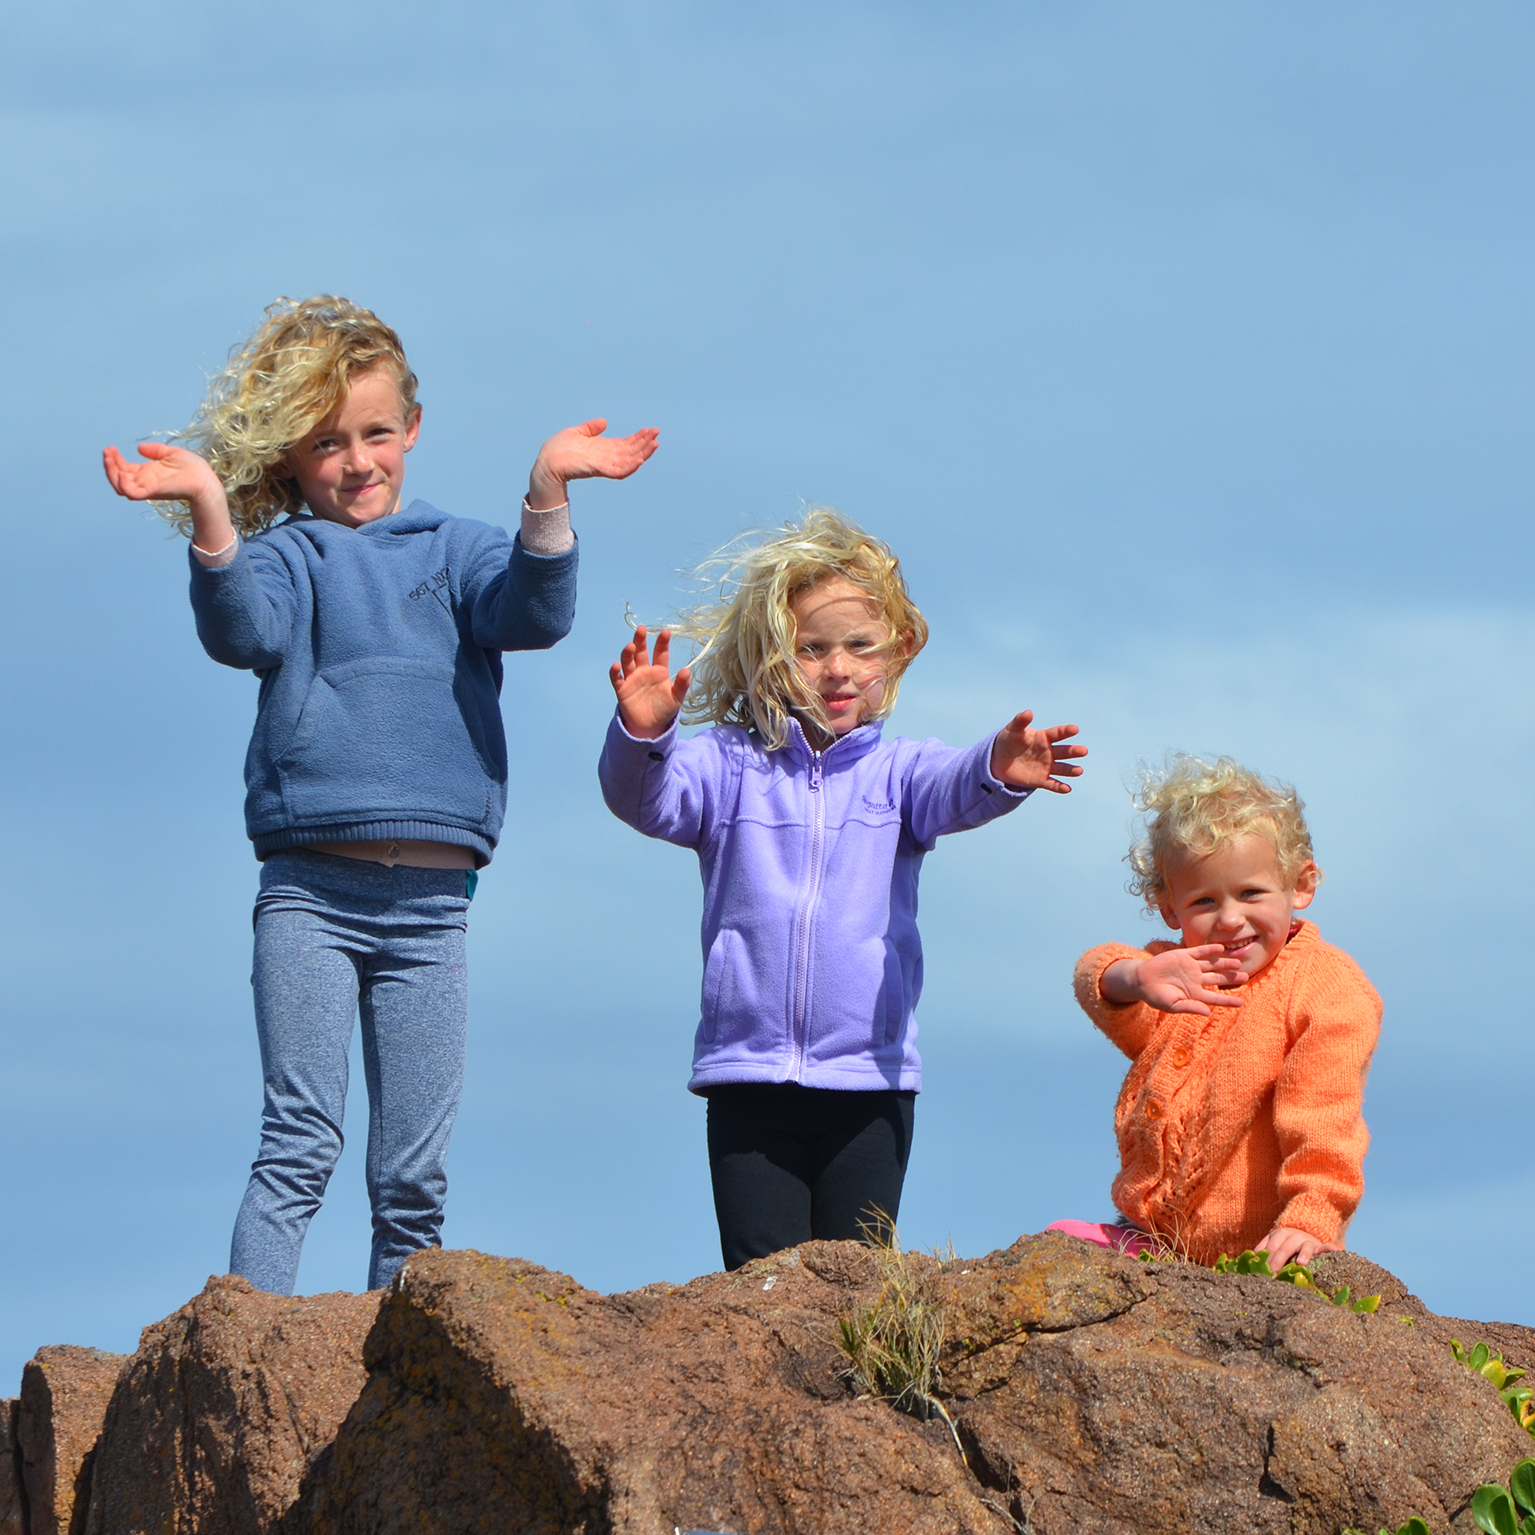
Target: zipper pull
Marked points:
815	771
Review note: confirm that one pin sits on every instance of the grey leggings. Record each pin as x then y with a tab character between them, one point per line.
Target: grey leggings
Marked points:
335	936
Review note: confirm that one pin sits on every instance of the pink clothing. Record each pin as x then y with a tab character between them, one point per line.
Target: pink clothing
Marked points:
1122	1239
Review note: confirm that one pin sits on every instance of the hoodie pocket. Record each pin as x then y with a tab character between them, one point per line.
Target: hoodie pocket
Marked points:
716	984
385	737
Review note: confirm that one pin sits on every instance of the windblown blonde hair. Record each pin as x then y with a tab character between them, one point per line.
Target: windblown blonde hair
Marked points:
1195	806
277	386
745	673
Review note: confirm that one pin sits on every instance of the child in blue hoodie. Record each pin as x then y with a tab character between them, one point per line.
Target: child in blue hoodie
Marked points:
810	832
376	775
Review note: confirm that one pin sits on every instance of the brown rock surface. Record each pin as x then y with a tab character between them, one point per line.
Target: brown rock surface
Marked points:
504	1397
1092	1393
12	1509
1223	1402
64	1395
225	1409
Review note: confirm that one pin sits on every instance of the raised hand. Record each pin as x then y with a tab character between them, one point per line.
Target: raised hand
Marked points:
175	474
649	697
1176	980
168	474
1034	759
583	453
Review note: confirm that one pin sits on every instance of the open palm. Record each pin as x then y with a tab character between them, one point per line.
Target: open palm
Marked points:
583	453
1024	758
1189	980
167	474
649	697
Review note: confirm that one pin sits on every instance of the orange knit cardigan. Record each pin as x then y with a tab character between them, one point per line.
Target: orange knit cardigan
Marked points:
1231	1125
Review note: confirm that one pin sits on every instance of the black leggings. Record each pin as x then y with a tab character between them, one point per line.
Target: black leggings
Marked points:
792	1163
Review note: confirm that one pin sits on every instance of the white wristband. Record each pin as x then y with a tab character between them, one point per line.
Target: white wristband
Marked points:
213	554
543	511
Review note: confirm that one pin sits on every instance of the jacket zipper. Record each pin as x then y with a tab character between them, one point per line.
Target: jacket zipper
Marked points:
807	910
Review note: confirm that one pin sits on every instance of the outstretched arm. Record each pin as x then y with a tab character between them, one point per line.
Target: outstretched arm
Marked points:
649	697
1175	981
1034	759
175	474
577	453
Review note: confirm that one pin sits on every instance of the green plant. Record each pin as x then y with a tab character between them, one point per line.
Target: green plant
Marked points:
1519	1400
1414	1526
893	1343
1251	1262
1507	1510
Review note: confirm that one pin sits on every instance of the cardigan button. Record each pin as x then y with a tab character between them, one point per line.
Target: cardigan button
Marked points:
1180	1057
1153	1111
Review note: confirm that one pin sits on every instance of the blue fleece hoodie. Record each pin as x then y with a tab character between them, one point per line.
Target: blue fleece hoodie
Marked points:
378	650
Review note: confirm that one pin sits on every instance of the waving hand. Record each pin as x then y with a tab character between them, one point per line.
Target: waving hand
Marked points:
1034	759
649	697
583	453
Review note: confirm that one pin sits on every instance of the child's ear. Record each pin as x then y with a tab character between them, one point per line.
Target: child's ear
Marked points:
412	427
1169	917
1305	886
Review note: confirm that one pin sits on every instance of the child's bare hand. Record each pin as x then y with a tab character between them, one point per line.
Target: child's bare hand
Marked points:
583	453
1287	1244
1034	759
169	474
648	695
1177	980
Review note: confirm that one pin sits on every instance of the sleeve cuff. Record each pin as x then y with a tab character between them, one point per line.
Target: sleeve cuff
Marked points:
662	743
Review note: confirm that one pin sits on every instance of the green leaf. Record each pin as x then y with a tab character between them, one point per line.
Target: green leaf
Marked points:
1414	1526
1341	1296
1493	1510
1479	1356
1522	1484
1458	1349
1368	1305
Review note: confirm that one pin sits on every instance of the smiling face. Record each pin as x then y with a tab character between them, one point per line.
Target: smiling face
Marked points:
1237	897
351	466
841	646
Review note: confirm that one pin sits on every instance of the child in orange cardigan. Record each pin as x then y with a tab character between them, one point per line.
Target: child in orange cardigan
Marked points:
1239	1122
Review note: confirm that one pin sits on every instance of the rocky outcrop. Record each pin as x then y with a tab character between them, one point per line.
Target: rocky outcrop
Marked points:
64	1396
496	1385
13	1518
225	1410
1218	1402
1090	1393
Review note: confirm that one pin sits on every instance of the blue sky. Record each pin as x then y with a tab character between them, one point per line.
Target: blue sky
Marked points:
1182	352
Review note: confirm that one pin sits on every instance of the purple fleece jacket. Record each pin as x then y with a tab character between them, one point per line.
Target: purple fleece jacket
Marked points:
812	961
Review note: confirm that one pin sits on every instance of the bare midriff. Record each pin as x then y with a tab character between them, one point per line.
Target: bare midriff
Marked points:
414	855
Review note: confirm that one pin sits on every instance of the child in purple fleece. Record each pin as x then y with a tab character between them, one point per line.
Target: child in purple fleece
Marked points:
810	832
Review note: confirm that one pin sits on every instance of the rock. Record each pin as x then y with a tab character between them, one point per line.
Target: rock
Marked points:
12	1509
1090	1393
502	1396
225	1409
64	1395
1225	1402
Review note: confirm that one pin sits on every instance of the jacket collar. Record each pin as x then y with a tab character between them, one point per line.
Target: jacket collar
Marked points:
418	517
845	749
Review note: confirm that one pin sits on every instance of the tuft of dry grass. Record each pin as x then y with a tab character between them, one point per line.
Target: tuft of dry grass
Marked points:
894	1342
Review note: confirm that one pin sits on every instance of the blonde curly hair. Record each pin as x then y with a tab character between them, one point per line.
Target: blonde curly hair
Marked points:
1196	806
293	372
745	672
